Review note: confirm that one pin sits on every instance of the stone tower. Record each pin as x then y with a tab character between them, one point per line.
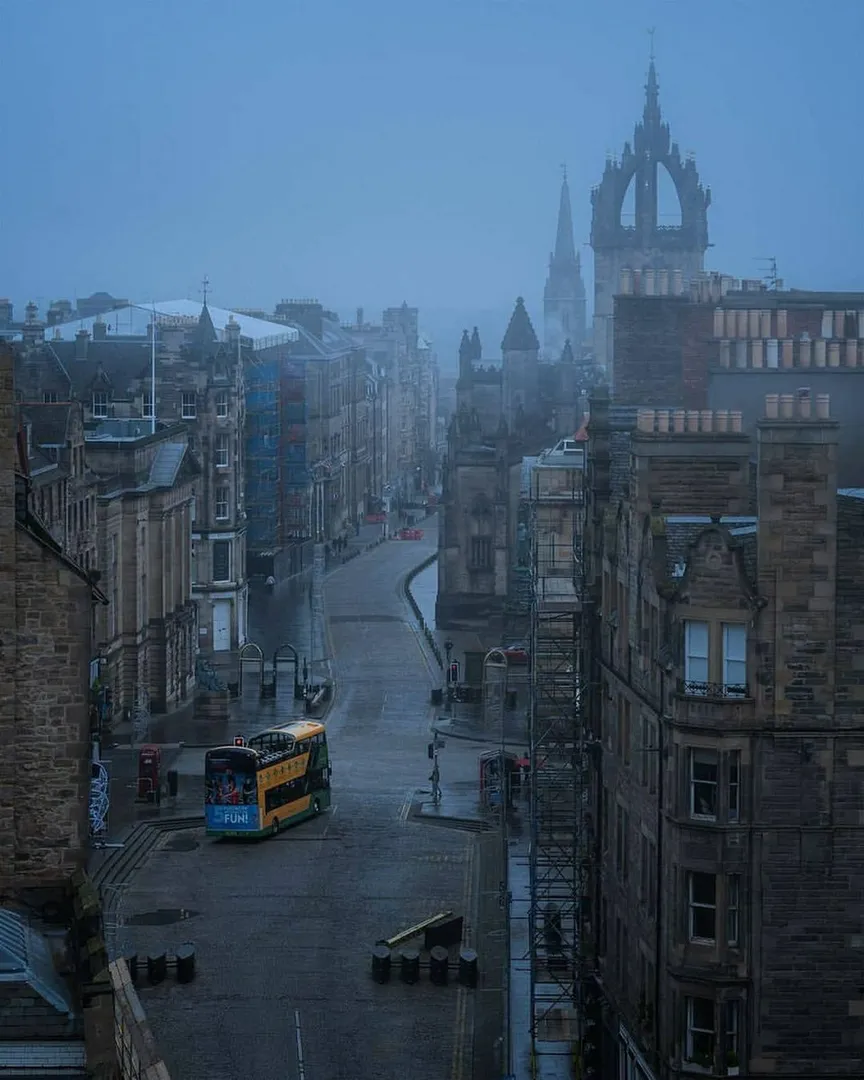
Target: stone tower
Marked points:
520	351
674	252
564	295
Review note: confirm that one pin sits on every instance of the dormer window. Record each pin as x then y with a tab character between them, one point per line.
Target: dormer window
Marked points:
100	405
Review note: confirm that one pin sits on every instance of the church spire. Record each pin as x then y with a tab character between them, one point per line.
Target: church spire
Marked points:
565	248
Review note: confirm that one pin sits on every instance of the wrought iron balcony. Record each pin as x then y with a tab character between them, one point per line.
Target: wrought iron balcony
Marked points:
689	688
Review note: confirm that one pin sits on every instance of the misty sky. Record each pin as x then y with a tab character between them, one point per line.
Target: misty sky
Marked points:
369	151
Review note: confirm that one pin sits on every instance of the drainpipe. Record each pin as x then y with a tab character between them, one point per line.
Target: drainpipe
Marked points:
658	923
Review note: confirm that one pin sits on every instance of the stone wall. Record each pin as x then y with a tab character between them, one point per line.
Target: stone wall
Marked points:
45	642
51	733
137	1054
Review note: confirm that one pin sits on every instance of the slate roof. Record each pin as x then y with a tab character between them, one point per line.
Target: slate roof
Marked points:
50	423
520	336
119	363
166	464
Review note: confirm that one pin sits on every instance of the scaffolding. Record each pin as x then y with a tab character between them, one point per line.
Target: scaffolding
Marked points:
560	847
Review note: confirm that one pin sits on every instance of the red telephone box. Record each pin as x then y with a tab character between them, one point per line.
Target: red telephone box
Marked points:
149	773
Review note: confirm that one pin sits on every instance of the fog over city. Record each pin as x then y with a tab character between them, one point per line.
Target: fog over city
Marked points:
367	153
431	540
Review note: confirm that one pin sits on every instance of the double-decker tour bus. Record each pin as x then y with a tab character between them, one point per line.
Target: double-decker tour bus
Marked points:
280	776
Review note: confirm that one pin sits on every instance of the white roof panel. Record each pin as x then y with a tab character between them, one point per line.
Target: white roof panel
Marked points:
134	320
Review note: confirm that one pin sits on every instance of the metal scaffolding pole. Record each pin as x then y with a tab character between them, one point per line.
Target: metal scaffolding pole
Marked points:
560	848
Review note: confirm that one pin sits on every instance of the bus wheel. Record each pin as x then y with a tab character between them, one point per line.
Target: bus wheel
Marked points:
274	828
316	806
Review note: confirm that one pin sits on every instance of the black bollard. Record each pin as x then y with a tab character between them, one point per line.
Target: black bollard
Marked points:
468	968
410	963
381	964
132	965
185	963
157	967
172	782
438	961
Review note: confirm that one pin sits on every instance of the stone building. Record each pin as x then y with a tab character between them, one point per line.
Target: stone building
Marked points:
145	505
107	364
341	410
725	701
62	482
564	295
669	252
46	650
725	344
505	413
407	369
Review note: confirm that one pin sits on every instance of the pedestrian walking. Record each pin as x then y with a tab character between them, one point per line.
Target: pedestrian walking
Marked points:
436	785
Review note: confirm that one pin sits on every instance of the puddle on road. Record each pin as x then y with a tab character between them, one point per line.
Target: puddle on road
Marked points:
160	917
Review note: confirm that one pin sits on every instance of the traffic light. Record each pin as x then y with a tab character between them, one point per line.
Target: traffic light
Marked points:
454	671
592	1032
239	740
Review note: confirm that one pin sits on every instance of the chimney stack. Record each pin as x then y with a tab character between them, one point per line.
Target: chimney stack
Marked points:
797	557
81	341
690	462
232	330
100	330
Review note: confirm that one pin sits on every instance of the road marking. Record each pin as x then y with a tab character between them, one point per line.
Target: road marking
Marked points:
301	1066
405	809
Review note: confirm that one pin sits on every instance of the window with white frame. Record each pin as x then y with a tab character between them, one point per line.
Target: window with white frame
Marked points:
704	777
220	452
100	404
734	659
49	397
147	405
700	1034
696	654
221	504
733	909
222	404
733	784
702	902
188	407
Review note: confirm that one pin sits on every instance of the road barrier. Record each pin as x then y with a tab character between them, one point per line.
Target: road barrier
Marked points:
415	607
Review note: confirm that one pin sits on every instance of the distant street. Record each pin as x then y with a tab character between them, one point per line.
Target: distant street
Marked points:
283	928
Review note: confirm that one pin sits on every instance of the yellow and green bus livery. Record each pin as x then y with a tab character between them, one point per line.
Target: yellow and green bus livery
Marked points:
280	776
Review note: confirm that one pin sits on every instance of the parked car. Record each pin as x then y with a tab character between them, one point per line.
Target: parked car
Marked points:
516	653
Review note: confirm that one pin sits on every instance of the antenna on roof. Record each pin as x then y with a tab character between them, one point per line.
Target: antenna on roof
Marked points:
153	372
205	285
772	282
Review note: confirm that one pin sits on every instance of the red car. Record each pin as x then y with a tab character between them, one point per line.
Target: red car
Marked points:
516	654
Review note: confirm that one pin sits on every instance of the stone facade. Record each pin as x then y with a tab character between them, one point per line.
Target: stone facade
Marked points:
45	652
504	413
199	381
725	344
671	253
727	787
144	503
